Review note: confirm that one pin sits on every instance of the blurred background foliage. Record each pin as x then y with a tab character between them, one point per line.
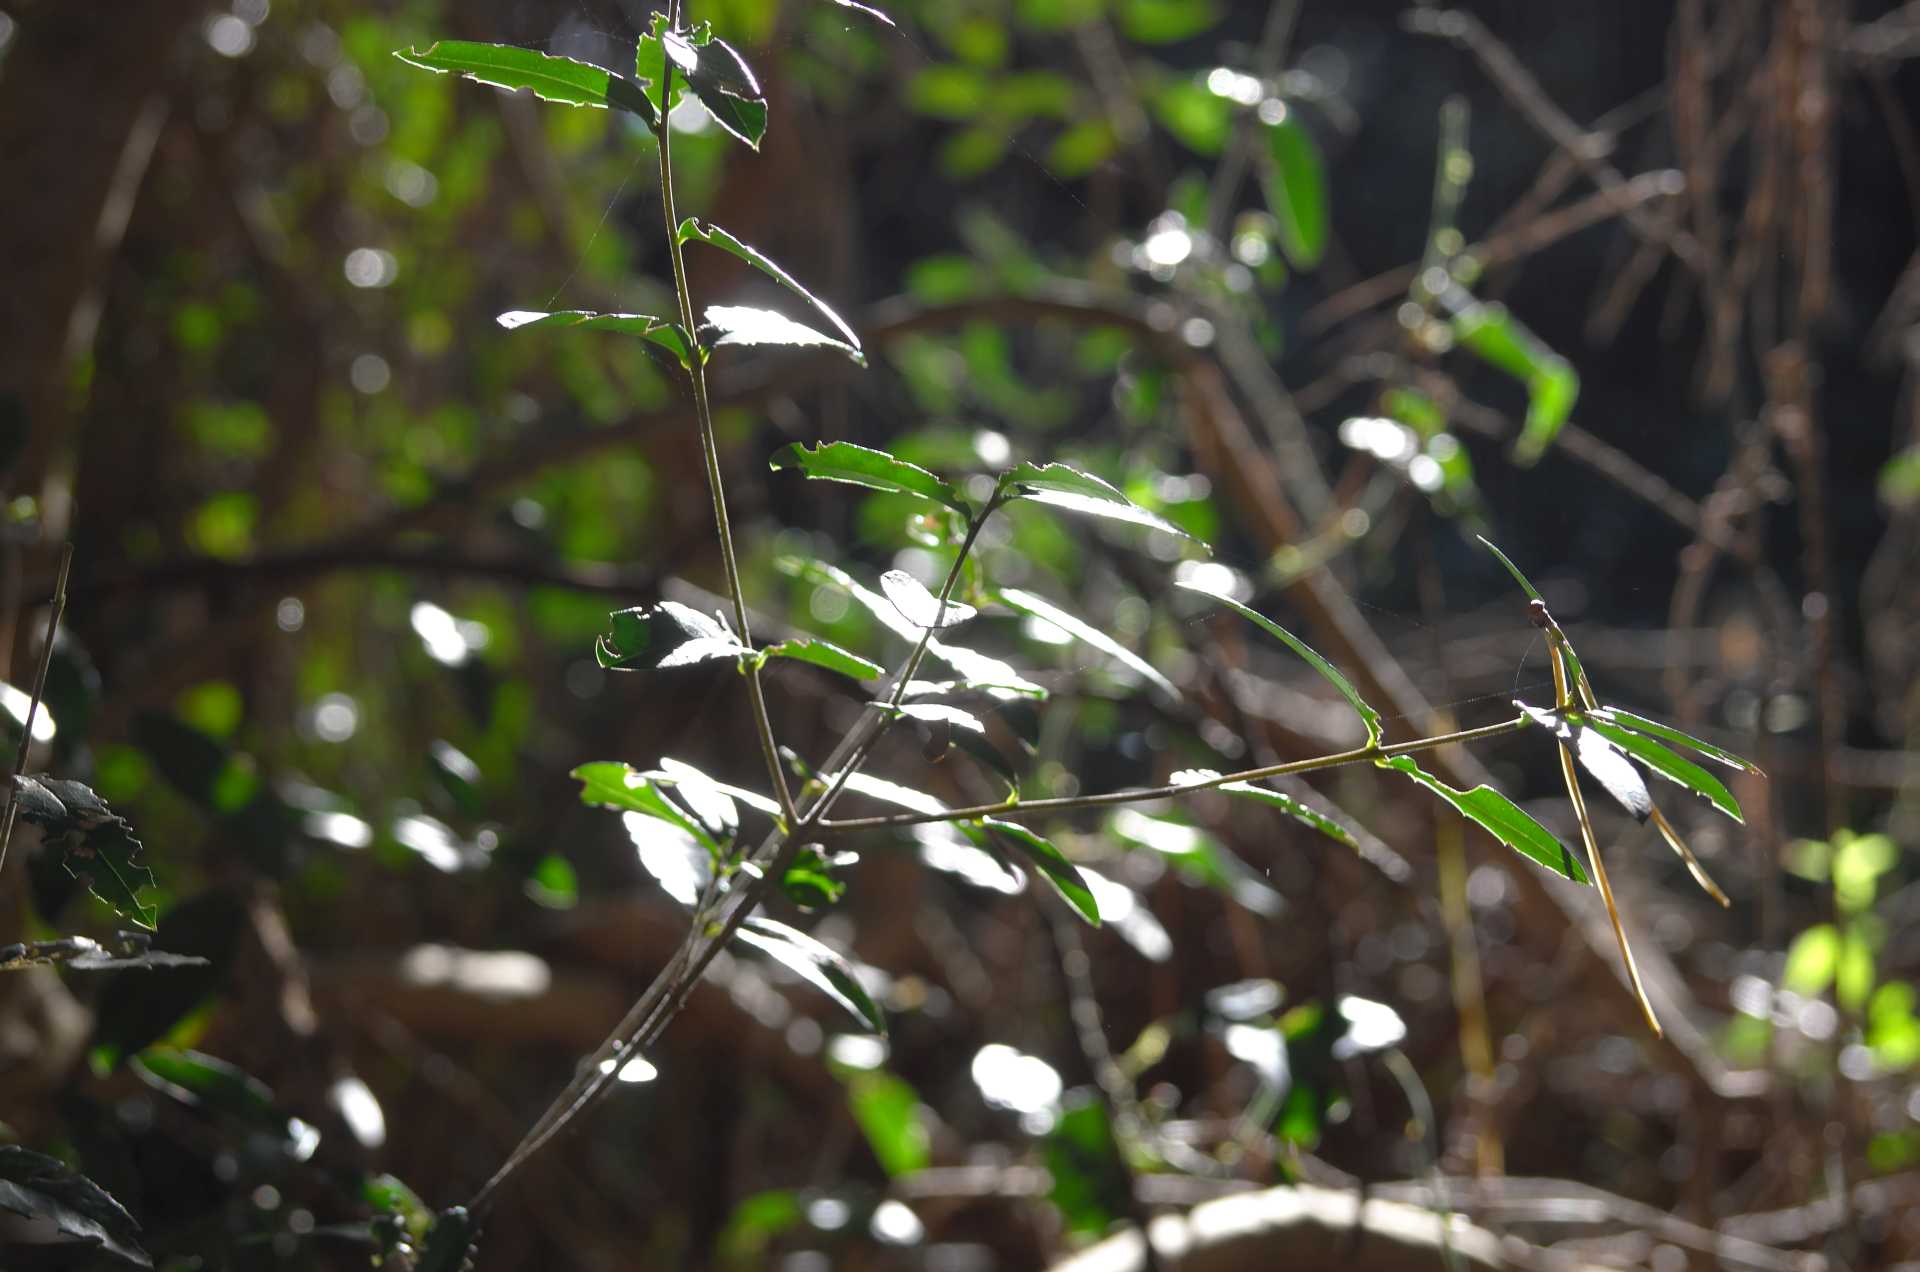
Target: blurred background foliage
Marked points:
1333	287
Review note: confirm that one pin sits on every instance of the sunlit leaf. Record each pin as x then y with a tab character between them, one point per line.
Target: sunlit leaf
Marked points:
666	334
1066	487
1673	767
1811	960
612	784
816	964
1041	608
1052	864
553	79
694	230
920	607
1165	21
1666	732
1604	761
746	325
1500	817
1296	188
1200	857
823	653
1273	799
1368	716
662	637
1526	584
889	1114
874	469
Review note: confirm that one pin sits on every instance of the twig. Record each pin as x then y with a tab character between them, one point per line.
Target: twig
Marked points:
33	703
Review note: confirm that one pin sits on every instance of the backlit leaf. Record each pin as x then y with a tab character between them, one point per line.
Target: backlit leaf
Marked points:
1052	865
1066	487
694	230
816	964
1296	188
826	654
920	607
1041	608
553	79
746	325
1500	817
861	466
656	331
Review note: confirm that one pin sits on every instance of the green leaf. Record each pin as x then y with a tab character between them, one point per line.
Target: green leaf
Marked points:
132	1011
949	91
1666	732
723	82
1274	799
553	79
754	1224
56	1204
621	787
921	608
1046	611
1552	385
746	325
106	857
1198	856
816	964
1899	480
450	1242
656	331
888	1112
1812	960
1090	1185
826	654
693	230
1501	817
662	637
874	469
1551	394
1200	120
1675	768
224	1090
1064	486
1052	864
1296	188
1526	584
1368	716
1165	21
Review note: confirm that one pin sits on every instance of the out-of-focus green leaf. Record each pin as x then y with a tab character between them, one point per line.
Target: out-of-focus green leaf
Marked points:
133	1011
874	469
1275	799
1368	716
450	1242
949	91
553	79
1199	857
1083	1160
662	332
1165	21
1052	865
697	231
1296	188
1900	478
1553	386
1198	119
1811	960
757	1220
1047	612
816	964
1501	818
918	606
224	1090
1064	486
888	1112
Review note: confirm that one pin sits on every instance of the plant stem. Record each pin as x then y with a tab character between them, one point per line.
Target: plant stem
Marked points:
1016	807
33	703
709	445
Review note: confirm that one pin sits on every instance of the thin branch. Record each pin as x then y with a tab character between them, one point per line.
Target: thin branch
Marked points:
33	703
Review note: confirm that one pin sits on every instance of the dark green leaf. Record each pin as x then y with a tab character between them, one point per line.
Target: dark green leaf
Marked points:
743	117
60	1206
1673	767
874	469
133	1011
1090	1183
1052	864
657	331
1666	732
1066	487
816	964
457	774
1045	610
826	654
692	230
664	636
1275	799
888	1113
1501	817
809	882
921	608
721	79
1368	716
450	1242
106	857
1526	584
553	79
222	1090
1296	187
746	325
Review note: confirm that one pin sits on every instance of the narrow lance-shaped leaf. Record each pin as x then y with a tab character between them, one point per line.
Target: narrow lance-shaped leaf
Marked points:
1600	758
1064	486
874	469
816	964
1501	817
1368	716
1526	584
553	79
655	331
1666	732
1273	799
1045	610
1200	857
826	654
887	1111
695	230
1296	189
746	325
1052	864
1675	768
